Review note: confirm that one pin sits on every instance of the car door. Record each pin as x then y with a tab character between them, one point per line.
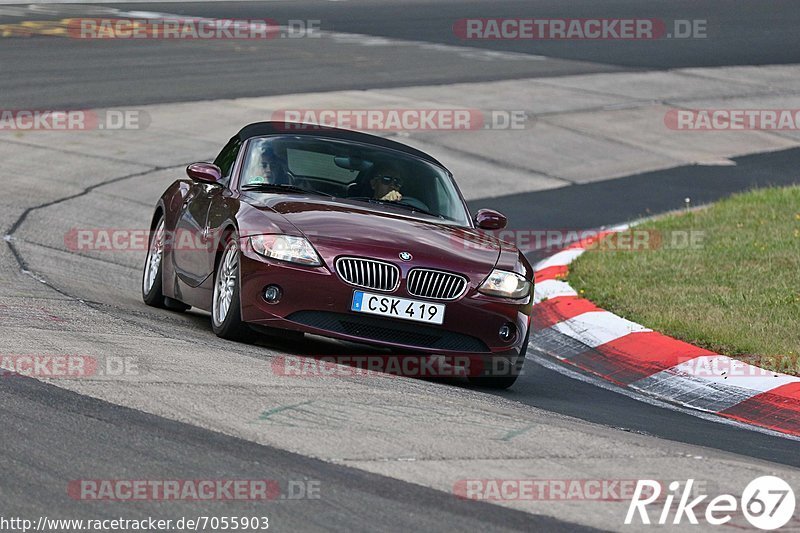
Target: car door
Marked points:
196	230
193	242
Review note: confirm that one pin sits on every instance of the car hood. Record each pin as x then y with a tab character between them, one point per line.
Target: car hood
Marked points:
338	228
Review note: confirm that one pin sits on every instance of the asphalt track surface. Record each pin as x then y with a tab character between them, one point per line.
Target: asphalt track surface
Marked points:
354	500
61	434
736	33
109	73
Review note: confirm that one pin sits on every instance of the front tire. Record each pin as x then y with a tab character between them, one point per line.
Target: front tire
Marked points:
226	309
493	382
503	381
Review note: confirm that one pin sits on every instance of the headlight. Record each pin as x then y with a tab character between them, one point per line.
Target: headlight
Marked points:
505	284
286	248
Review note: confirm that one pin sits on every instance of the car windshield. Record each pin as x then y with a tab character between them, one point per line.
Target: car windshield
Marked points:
353	172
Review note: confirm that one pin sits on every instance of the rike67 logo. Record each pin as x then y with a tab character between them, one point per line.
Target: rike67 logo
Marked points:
767	503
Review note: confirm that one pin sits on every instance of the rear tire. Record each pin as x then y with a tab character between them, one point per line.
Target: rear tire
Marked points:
152	285
152	282
226	309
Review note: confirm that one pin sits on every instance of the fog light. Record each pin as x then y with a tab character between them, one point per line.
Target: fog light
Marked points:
272	294
507	332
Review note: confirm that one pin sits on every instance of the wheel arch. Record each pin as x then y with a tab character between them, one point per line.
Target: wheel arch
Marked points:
226	230
157	214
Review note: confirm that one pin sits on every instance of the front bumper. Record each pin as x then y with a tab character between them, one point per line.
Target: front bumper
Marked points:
317	301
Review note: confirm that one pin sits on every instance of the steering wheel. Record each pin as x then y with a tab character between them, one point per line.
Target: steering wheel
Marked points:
413	202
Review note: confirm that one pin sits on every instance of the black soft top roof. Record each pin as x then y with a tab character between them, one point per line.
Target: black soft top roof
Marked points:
259	129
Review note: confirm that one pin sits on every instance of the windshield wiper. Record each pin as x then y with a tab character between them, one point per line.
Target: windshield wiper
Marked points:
398	204
280	187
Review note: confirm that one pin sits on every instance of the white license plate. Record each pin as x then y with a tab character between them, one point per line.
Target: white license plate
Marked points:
383	305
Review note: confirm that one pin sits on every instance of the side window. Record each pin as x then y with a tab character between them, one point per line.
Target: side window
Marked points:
227	157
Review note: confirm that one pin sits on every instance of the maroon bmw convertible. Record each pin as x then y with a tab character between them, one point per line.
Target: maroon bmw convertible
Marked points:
345	235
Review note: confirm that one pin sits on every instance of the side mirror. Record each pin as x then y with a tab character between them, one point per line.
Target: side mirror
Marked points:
490	219
205	172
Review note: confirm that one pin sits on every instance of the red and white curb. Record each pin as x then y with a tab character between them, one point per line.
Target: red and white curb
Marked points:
577	332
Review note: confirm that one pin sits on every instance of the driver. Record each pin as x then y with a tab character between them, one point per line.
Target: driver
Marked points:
386	184
265	174
266	168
